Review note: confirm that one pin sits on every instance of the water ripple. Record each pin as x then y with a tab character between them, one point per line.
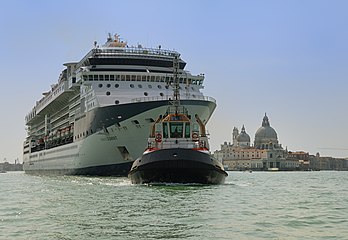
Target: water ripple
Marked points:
258	205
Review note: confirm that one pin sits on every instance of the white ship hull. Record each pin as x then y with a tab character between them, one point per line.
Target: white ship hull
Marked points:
112	149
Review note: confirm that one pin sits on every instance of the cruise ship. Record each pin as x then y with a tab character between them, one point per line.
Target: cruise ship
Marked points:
95	120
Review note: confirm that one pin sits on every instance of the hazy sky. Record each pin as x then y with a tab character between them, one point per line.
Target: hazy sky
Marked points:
286	58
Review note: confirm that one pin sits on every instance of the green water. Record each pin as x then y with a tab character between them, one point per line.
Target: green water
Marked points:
258	205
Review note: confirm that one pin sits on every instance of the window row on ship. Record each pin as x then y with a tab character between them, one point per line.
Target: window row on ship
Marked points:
143	78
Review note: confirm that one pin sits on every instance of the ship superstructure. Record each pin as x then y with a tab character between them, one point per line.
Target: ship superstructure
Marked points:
95	119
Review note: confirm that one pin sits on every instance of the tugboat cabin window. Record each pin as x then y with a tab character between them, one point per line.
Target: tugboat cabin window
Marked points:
176	129
165	130
187	130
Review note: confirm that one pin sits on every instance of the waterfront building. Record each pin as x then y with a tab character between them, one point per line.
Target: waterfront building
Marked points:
265	154
327	163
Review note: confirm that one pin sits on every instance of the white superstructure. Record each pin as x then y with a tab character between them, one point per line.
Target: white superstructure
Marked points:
95	120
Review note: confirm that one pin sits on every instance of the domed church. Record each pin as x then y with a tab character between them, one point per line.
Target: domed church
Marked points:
266	137
265	154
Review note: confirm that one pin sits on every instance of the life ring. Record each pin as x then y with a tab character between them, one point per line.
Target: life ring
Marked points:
195	135
158	137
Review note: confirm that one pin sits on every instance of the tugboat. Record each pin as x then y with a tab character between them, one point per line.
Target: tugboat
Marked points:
178	149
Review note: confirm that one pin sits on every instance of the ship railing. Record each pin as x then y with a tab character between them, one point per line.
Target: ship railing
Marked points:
170	97
128	50
134	50
187	143
56	91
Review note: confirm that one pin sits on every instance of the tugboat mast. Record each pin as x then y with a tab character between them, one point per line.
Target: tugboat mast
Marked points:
176	101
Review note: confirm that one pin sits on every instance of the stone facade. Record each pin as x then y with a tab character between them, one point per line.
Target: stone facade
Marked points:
265	154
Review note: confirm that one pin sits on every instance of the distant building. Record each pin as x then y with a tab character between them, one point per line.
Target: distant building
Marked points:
302	158
6	166
327	163
265	154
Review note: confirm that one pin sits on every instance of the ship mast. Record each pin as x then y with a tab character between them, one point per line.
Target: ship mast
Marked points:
176	102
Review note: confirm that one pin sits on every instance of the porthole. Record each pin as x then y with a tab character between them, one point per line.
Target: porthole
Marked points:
108	85
140	86
145	93
166	86
117	102
107	93
100	85
159	87
194	96
150	86
117	85
131	85
161	94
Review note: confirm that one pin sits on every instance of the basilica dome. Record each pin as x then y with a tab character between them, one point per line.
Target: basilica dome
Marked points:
265	134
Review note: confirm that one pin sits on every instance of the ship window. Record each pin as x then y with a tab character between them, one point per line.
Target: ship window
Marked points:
152	78
135	122
149	120
123	77
117	102
134	77
138	78
106	77
101	77
131	85
112	77
176	130
117	85
145	93
118	77
150	86
192	88
165	130
159	86
158	78
100	85
161	94
107	93
90	77
95	77
143	78
128	77
140	86
108	85
187	130
166	86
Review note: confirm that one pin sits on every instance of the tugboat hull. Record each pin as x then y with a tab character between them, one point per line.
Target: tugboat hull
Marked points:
177	165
